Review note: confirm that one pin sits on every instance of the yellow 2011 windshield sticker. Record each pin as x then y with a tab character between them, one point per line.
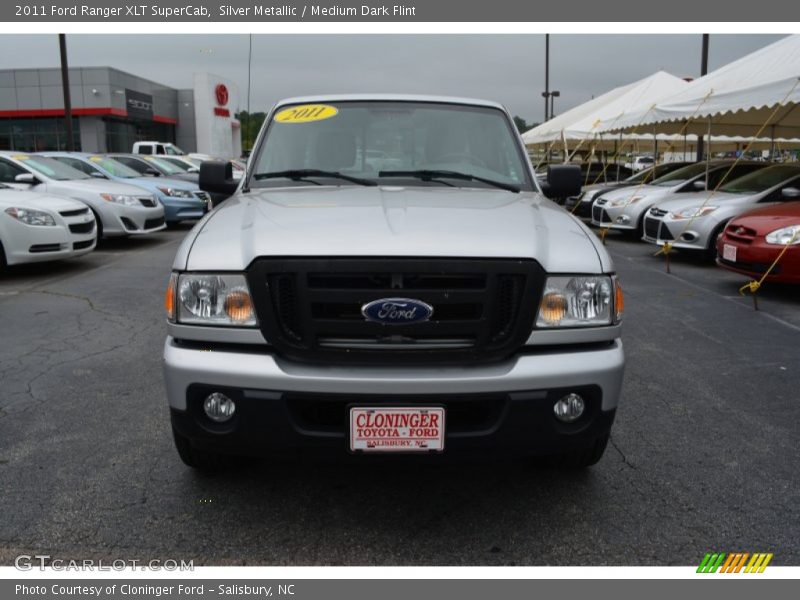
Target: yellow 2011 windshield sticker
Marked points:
306	113
20	157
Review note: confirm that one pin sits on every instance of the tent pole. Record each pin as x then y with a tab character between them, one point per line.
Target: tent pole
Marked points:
708	151
772	144
620	150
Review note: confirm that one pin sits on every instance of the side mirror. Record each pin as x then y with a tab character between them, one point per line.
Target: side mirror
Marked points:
97	175
217	177
700	185
28	178
563	181
193	170
152	172
790	193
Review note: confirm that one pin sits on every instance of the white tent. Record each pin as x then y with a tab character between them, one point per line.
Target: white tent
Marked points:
583	121
759	92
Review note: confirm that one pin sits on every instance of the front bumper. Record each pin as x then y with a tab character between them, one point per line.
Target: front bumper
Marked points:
25	244
607	217
659	231
119	219
755	258
288	406
184	209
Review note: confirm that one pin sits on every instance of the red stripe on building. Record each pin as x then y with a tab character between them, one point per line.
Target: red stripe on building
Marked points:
78	112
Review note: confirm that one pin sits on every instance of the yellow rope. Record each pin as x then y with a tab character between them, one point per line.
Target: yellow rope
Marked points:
753	286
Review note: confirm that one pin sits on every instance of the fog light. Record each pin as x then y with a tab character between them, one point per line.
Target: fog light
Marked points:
689	236
623	219
569	408
218	407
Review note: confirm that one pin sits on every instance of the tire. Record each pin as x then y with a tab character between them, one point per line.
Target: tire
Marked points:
98	228
202	460
576	459
711	249
3	263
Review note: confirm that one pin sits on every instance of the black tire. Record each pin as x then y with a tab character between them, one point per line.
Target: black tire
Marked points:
3	263
711	249
98	227
576	459
202	460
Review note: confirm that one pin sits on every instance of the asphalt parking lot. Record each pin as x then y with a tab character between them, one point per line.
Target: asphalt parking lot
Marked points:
704	455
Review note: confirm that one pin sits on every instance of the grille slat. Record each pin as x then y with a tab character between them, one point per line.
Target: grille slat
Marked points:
74	213
82	227
310	309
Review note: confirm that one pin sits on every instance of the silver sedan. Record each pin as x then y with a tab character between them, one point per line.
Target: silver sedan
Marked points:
624	209
693	221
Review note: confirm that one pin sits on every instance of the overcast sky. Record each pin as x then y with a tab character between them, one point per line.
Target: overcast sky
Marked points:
506	68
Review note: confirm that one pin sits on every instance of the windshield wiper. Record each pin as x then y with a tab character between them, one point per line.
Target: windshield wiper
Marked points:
298	174
429	175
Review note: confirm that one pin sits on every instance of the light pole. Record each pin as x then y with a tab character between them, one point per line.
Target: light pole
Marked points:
62	45
553	95
546	92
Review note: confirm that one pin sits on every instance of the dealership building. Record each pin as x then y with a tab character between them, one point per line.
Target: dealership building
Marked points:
112	109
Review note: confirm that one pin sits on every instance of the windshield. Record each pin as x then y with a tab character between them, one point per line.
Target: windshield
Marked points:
761	180
51	168
164	166
113	167
173	150
391	143
681	175
652	173
177	163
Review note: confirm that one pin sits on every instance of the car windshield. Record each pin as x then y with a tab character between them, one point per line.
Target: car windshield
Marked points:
164	166
173	150
761	180
651	174
681	175
113	167
391	143
177	163
51	168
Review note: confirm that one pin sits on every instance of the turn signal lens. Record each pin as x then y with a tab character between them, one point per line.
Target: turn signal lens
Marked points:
239	306
554	307
169	297
619	301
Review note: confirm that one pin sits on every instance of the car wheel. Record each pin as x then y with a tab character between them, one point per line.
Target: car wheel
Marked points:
580	458
202	460
711	248
2	258
98	227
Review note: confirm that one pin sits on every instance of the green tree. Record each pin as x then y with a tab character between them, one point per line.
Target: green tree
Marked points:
251	125
523	126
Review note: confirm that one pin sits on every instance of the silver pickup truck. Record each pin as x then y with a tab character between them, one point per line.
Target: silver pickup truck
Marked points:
389	277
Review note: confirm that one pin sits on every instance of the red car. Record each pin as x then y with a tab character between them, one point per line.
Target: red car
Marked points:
752	242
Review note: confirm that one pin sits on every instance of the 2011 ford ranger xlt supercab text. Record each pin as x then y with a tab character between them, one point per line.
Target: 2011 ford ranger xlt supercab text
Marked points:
389	277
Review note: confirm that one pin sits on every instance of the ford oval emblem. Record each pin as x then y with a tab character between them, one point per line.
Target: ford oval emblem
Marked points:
397	311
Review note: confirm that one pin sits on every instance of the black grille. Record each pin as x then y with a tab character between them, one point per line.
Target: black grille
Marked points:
148	201
651	228
82	227
310	309
73	213
82	245
600	215
151	223
38	248
665	233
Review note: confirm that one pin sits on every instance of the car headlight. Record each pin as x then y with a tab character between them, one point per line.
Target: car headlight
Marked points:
624	201
29	216
784	237
580	301
694	212
121	199
209	299
173	193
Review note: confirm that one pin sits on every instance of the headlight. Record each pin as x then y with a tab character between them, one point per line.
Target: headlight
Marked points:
580	301
209	299
694	212
31	217
624	201
173	193
784	237
121	199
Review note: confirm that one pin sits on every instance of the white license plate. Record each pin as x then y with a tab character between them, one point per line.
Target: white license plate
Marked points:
729	252
397	429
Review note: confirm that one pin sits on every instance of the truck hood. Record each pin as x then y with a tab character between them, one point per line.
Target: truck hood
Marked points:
390	221
26	199
680	201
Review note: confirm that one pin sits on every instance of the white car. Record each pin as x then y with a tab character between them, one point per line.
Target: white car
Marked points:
640	163
38	227
120	209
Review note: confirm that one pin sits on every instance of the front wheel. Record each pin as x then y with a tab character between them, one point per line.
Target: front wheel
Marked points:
579	458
